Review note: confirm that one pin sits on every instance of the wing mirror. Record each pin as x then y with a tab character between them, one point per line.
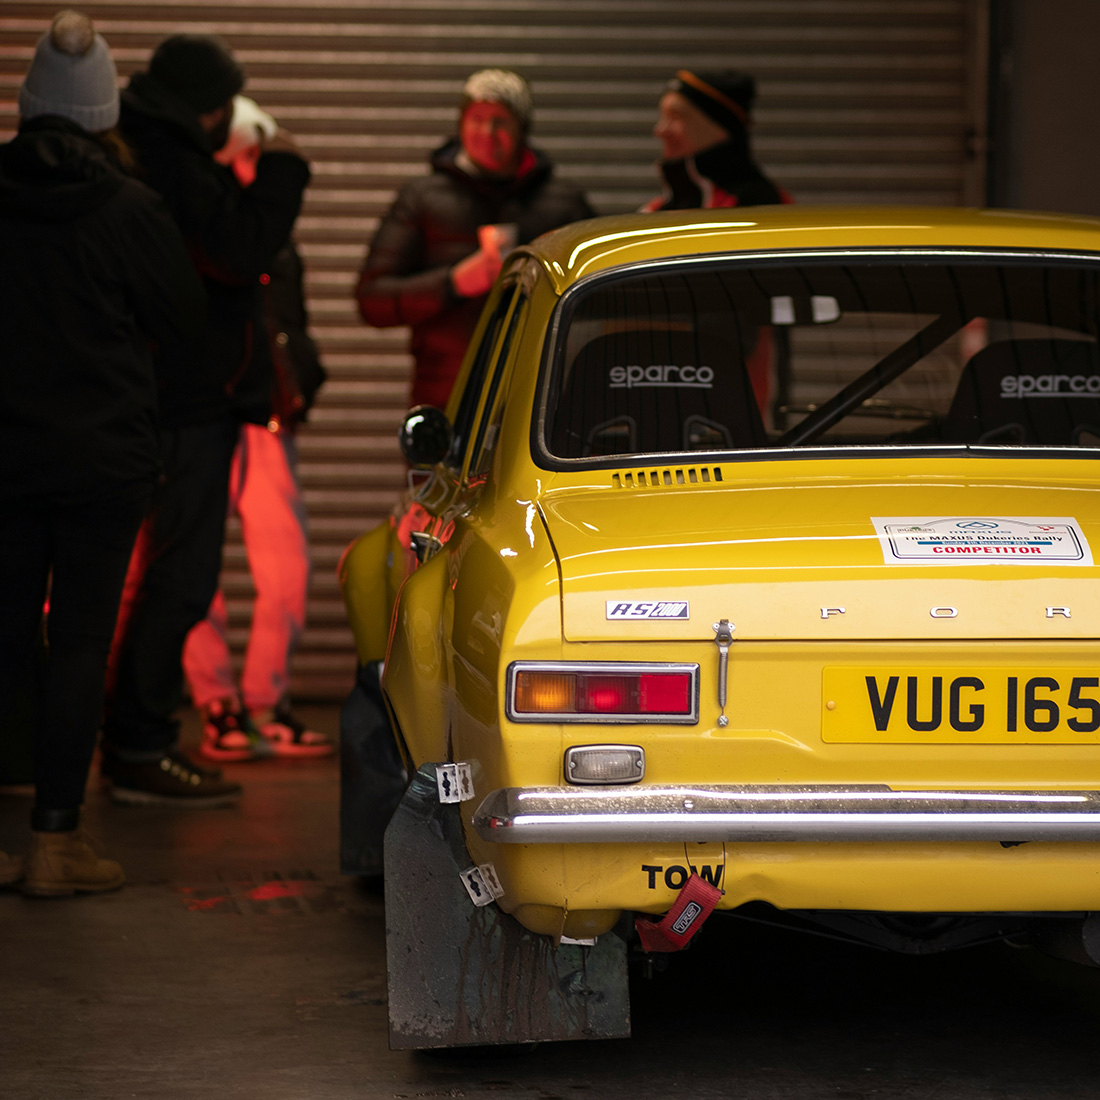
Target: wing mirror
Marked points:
425	436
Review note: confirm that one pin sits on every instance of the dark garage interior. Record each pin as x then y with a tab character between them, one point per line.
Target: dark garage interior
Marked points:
239	961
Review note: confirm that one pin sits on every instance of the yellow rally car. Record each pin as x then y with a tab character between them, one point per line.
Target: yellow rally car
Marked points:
751	565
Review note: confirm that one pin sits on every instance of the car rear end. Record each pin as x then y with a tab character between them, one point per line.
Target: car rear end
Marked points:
824	524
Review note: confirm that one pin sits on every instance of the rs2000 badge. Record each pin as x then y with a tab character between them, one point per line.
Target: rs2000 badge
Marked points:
647	609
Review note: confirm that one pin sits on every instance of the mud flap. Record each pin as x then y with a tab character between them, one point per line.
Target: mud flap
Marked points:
372	777
464	975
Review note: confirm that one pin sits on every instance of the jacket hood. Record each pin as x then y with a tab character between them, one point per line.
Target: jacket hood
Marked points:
534	169
54	171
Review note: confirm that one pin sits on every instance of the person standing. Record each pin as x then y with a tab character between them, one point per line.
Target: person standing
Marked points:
176	115
706	162
428	266
706	155
265	493
94	273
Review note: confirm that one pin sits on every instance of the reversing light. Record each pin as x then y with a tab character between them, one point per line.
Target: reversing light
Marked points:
595	764
602	692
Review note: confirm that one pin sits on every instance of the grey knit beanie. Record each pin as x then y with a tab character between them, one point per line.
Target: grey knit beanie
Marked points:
72	75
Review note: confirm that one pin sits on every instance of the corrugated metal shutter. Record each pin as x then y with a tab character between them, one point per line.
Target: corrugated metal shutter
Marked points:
859	101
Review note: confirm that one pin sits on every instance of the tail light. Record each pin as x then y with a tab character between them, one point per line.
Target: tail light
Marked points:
602	691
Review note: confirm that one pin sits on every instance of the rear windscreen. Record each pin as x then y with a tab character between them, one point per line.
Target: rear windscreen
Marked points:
737	355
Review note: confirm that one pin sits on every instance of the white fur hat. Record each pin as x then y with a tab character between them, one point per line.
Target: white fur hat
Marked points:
250	123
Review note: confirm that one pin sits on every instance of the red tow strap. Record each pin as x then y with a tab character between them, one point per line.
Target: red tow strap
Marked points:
673	932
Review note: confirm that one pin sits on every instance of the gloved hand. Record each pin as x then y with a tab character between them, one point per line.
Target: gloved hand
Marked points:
473	276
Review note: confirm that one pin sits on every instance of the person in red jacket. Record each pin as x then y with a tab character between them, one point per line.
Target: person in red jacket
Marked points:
440	245
706	156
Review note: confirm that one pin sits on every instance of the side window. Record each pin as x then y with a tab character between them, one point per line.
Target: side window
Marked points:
485	439
468	403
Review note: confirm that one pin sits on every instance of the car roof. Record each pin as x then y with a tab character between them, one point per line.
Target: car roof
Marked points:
584	248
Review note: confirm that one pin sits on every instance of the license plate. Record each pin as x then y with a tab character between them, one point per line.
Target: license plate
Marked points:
961	706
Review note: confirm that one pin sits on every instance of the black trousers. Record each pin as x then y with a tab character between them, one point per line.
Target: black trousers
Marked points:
185	529
77	554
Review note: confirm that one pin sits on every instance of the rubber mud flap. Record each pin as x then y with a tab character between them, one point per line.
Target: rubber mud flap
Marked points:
462	975
372	777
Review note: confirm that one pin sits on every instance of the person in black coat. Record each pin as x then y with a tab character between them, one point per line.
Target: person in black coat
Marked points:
176	115
95	275
703	126
440	245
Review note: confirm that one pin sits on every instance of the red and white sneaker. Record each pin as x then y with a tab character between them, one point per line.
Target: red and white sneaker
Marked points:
228	733
286	735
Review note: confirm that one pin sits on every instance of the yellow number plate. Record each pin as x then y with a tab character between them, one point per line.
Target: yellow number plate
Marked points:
961	706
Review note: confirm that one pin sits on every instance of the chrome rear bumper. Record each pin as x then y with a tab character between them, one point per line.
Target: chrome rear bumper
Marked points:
568	815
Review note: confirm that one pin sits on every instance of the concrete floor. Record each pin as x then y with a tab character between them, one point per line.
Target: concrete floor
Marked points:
239	963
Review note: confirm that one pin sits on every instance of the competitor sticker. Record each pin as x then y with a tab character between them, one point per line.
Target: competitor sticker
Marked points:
981	540
647	609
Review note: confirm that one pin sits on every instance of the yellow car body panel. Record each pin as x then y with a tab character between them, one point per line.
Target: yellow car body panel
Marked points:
583	249
535	553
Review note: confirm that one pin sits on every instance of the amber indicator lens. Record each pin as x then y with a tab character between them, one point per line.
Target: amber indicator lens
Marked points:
545	693
602	693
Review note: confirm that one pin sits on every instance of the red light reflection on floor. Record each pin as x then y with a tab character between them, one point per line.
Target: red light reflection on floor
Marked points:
198	905
199	900
280	889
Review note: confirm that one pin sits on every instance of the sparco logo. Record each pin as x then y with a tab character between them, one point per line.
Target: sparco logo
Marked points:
660	375
687	918
1050	385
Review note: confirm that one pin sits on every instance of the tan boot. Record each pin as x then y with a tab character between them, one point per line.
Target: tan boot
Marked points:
64	863
11	869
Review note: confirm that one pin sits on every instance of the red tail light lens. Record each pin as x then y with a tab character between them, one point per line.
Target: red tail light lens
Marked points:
588	692
606	694
667	694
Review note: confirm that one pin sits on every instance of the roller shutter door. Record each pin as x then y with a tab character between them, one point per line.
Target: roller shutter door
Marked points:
858	101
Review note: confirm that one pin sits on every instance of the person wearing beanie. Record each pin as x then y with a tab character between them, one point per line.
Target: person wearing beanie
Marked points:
176	115
706	162
706	156
441	244
95	273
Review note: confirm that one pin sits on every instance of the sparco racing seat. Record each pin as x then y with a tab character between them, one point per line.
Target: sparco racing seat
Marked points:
654	390
1028	391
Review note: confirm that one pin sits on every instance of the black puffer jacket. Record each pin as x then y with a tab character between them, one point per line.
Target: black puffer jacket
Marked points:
233	234
92	269
432	225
